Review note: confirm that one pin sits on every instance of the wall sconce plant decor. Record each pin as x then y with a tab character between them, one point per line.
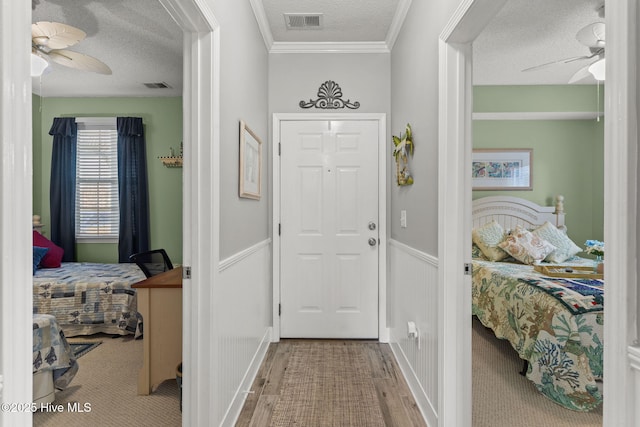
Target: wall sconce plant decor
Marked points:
402	148
172	161
329	98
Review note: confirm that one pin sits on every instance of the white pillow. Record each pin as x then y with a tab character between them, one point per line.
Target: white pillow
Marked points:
526	247
487	238
565	247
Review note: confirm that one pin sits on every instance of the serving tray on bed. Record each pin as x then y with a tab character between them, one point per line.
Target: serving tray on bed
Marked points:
584	272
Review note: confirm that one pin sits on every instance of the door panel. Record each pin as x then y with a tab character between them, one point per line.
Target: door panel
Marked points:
329	195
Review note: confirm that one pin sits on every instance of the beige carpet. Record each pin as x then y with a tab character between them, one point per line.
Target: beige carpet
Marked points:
504	398
107	380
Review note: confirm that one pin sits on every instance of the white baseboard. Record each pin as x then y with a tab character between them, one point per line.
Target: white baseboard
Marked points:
420	396
233	412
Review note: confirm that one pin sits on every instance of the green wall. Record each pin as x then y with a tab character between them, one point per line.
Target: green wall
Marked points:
162	118
568	155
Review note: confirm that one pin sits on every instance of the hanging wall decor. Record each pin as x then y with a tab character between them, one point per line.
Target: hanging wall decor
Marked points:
330	98
402	148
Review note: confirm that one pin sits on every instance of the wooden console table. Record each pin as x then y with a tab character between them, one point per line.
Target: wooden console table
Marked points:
160	304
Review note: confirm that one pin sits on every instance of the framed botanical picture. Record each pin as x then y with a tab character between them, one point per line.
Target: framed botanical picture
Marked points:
502	169
250	163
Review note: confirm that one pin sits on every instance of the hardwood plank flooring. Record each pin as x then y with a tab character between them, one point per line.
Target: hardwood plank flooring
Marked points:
338	383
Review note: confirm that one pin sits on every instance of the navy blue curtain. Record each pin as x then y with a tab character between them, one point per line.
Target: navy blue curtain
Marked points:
133	188
62	192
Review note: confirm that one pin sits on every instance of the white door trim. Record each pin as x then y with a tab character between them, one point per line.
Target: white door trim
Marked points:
201	201
454	209
383	332
621	190
620	213
16	191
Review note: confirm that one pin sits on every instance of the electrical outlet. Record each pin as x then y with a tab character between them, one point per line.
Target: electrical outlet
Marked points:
403	219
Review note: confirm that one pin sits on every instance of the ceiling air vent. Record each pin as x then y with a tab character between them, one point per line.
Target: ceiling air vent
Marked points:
303	21
161	85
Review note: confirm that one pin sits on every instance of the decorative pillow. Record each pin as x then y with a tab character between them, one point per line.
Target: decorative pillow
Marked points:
487	238
526	247
54	256
476	253
565	247
38	254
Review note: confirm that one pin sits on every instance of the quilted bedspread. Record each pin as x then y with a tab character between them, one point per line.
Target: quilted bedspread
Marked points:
87	298
564	350
51	351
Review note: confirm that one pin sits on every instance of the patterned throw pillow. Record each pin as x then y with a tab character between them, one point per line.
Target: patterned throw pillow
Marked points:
54	256
488	237
476	253
526	247
565	247
38	254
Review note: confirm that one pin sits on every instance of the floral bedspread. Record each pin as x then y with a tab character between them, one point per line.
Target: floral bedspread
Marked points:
564	350
51	351
87	298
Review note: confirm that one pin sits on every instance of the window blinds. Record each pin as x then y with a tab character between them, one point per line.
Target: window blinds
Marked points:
97	212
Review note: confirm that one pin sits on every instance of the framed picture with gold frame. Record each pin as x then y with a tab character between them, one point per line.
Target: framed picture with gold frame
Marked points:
250	163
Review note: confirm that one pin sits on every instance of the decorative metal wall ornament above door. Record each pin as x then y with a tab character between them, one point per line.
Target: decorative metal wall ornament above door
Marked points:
330	98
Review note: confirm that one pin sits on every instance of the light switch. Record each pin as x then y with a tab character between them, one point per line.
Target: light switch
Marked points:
403	219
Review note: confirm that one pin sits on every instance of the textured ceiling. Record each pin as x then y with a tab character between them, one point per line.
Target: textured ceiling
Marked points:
142	44
137	39
528	33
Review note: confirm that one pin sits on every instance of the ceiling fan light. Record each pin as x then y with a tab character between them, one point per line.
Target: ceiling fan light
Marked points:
38	65
598	69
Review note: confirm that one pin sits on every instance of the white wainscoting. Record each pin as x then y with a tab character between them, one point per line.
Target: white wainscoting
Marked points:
243	326
412	297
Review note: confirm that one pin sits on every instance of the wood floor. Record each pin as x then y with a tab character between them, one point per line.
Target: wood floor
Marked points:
329	383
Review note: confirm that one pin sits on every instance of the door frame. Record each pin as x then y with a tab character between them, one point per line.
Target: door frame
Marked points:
381	118
620	211
201	187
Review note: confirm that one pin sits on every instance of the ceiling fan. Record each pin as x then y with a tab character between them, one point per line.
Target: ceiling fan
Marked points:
592	36
48	42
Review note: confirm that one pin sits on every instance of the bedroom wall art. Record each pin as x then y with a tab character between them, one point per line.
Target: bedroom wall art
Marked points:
500	169
329	98
250	163
402	148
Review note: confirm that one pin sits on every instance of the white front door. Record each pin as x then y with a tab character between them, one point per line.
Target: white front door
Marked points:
329	229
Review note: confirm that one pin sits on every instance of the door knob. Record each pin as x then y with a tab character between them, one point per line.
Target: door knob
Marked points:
372	241
372	225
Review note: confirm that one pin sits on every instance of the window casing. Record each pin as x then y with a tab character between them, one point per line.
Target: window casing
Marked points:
97	206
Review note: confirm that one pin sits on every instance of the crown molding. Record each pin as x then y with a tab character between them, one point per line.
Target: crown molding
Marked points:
329	47
397	22
263	22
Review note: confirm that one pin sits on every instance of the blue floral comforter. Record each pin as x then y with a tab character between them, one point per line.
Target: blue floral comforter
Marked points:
564	350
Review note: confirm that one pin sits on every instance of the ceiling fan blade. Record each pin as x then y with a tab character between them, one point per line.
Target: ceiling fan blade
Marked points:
79	61
581	74
560	61
55	35
593	35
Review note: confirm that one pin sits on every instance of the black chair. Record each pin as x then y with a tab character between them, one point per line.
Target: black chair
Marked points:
152	262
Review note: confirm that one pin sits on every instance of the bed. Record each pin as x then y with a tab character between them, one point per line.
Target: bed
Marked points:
555	324
54	364
89	298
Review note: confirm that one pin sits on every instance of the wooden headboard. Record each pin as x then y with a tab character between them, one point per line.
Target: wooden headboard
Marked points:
512	211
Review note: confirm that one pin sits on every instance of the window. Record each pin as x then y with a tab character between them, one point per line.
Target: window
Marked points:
97	207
